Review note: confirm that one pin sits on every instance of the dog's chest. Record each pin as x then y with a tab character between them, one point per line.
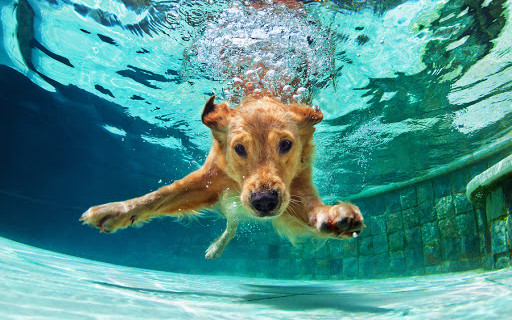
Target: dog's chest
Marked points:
232	207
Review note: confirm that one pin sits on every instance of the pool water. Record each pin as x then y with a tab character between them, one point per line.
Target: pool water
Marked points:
44	284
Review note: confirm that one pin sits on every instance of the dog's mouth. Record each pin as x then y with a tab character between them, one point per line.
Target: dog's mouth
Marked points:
266	203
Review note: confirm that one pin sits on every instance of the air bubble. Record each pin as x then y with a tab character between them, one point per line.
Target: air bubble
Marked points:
242	39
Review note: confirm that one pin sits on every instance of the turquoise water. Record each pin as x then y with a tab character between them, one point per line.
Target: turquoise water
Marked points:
101	101
432	75
44	284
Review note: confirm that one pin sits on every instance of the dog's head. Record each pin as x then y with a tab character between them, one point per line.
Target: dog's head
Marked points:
263	145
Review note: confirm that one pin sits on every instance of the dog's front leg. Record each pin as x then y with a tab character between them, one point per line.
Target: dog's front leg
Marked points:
197	190
339	221
215	250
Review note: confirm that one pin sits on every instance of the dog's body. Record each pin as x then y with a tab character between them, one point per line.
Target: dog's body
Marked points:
261	156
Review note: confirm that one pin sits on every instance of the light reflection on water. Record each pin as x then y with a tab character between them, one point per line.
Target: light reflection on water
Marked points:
412	85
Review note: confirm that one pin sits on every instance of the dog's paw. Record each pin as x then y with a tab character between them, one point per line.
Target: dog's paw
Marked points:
109	217
342	221
214	251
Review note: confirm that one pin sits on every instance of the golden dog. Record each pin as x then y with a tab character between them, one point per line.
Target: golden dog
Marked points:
261	156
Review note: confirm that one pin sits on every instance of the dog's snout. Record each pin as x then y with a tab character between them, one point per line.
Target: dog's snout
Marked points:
264	202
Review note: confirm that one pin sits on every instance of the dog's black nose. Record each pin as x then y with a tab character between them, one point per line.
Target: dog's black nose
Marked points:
265	201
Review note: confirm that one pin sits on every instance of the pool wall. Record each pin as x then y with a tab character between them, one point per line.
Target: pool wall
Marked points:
428	227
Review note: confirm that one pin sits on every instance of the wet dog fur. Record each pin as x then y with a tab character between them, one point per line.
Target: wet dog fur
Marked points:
259	167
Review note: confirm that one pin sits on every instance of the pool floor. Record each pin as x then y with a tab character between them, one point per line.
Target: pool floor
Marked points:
42	284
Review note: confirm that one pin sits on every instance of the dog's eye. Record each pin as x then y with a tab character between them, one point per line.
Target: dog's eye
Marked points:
240	150
285	146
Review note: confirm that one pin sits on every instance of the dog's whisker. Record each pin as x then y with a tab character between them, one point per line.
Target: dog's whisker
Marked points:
236	189
293	210
297	197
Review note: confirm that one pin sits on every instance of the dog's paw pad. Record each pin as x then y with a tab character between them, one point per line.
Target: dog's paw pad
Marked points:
213	252
343	220
108	217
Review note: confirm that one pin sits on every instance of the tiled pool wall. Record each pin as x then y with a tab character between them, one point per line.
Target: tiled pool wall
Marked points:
429	227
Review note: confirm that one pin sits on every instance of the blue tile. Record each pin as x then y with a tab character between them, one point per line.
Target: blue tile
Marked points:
336	266
350	267
459	180
296	252
367	267
427	213
380	243
378	224
308	266
461	203
488	262
273	268
371	206
411	218
499	237
396	261
447	229
350	247
414	258
495	207
309	252
413	238
507	190
470	246
430	233
392	202
295	268
408	198
273	251
445	208
396	241
431	254
284	251
425	192
466	223
412	272
453	266
442	186
308	277
367	231
394	221
481	219
336	249
509	231
366	246
260	251
322	267
382	265
322	252
450	249
433	270
502	261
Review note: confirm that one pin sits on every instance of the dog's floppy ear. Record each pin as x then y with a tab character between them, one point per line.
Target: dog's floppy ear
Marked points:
215	116
306	115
